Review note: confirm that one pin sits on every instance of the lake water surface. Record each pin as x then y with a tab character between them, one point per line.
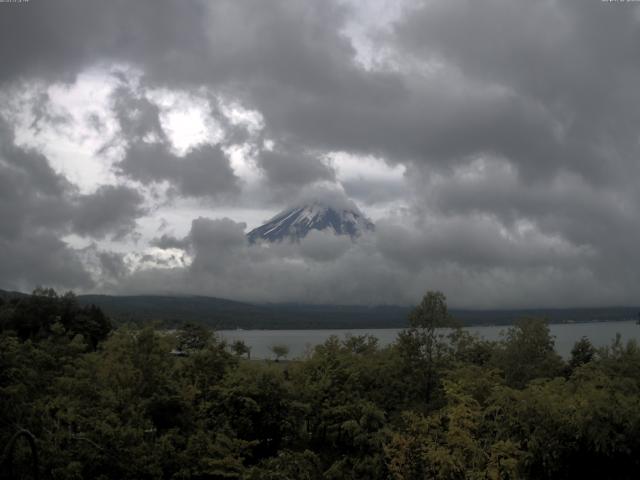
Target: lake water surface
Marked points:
302	341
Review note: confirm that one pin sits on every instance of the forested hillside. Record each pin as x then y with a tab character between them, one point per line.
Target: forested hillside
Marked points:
132	403
227	314
171	311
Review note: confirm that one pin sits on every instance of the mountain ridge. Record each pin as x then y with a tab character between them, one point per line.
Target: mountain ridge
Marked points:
295	223
220	313
231	314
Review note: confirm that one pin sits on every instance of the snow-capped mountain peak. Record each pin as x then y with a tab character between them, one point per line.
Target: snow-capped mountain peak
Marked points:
296	223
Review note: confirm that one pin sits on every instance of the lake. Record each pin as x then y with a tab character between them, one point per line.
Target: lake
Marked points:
302	341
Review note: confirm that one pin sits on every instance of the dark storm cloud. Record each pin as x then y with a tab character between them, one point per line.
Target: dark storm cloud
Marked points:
542	94
371	191
38	206
286	58
111	210
55	40
394	264
293	168
571	64
292	63
447	241
224	264
203	171
41	259
137	115
113	265
36	197
33	203
32	193
217	244
168	241
208	236
540	90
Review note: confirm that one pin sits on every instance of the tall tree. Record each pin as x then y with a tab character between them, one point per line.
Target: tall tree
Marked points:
527	352
192	337
280	351
421	344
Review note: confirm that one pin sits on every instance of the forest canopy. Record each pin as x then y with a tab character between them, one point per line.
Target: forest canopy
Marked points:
140	403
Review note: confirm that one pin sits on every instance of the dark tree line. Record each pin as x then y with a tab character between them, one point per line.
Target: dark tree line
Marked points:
38	316
435	404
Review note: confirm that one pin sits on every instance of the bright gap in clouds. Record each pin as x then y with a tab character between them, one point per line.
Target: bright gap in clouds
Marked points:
70	125
350	167
186	119
379	188
252	120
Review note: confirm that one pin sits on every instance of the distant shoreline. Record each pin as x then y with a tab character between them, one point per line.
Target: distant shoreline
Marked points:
172	310
470	325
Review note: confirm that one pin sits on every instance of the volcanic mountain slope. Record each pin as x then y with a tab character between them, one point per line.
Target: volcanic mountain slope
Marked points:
296	223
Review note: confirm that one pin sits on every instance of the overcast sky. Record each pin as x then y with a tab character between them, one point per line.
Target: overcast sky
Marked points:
494	143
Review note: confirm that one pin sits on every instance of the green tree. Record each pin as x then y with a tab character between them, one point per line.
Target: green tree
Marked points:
422	345
261	408
288	465
361	344
280	351
192	337
582	352
527	352
240	348
33	317
204	370
448	444
470	348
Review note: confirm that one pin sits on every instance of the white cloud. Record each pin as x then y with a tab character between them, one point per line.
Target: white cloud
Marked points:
73	125
186	118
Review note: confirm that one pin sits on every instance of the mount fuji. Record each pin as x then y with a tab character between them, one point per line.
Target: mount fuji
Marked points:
296	223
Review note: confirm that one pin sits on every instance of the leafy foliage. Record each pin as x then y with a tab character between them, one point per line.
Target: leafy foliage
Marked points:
36	316
436	404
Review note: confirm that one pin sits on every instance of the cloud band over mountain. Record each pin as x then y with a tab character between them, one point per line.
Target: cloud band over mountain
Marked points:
495	144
